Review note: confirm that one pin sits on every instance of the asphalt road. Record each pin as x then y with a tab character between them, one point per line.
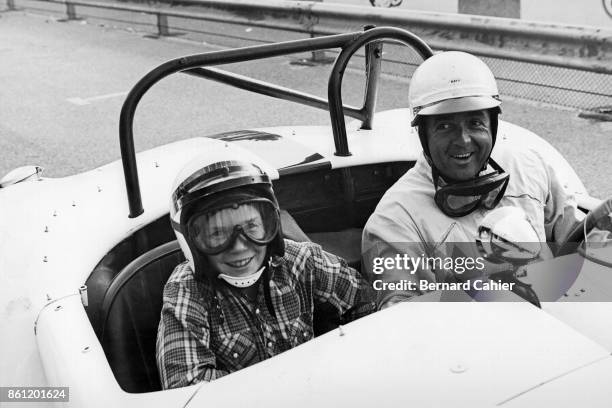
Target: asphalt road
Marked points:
63	83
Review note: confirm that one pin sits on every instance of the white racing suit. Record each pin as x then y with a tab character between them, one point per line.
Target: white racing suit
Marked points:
408	222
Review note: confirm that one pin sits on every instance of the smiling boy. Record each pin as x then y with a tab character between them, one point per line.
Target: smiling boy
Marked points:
245	293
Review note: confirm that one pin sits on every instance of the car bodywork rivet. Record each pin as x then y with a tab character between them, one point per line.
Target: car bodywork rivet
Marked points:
458	369
54	213
340	330
46	228
57	308
74	204
45	259
99	189
85	349
48	297
156	164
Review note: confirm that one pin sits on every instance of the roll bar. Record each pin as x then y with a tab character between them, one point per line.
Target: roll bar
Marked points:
194	65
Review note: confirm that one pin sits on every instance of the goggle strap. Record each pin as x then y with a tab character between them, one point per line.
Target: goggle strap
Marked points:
182	196
177	226
235	204
483	186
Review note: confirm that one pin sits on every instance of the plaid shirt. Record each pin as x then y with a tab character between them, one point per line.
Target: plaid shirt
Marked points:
209	331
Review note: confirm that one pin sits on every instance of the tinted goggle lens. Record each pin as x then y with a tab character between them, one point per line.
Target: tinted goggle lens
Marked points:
217	230
458	204
461	199
491	199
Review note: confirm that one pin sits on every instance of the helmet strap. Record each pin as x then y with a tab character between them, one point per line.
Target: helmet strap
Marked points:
242	281
266	282
253	279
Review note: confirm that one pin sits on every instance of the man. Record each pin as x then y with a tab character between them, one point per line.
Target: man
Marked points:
245	293
460	177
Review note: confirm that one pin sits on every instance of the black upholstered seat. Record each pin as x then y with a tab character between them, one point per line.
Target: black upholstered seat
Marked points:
130	314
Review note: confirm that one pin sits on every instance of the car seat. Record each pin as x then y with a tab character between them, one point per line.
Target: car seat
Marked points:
130	315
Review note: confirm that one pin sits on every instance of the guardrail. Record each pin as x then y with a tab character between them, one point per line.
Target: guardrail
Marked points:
579	49
583	48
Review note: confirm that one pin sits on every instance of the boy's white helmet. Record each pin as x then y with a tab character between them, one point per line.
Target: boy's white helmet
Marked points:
206	183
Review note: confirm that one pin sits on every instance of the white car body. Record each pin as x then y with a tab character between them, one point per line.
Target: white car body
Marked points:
55	231
59	229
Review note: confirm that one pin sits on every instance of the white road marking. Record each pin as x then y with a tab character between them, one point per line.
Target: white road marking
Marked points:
86	101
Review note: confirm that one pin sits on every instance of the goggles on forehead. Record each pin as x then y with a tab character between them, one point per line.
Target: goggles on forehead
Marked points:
216	230
459	199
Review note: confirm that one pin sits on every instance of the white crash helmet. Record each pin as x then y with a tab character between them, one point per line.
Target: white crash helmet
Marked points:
204	183
506	235
451	82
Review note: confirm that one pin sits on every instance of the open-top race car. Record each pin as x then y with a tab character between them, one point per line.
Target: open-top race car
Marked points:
83	266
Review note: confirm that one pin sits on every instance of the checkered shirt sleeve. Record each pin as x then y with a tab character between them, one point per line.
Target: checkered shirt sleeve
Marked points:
183	339
332	280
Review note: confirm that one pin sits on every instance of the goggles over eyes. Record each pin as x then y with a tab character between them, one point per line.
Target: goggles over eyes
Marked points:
217	229
459	199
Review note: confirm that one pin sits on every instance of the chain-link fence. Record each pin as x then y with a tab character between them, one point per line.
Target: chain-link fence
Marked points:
566	87
558	86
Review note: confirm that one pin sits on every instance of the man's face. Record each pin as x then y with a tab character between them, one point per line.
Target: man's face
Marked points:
243	257
459	143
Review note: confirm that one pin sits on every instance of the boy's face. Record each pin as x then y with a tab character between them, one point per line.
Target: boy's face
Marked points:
243	257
